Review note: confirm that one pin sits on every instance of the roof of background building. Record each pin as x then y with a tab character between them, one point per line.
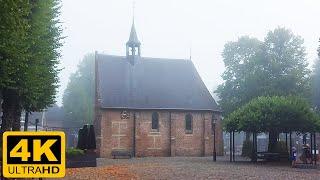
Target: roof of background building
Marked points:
151	83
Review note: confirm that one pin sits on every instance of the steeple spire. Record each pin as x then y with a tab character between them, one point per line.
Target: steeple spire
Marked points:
133	44
133	39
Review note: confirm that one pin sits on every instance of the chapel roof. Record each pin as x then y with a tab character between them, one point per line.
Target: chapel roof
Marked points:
151	83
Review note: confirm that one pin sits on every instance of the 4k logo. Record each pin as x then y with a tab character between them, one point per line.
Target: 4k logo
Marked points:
33	154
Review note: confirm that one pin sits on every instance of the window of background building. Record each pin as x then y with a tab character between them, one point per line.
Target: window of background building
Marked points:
155	121
188	120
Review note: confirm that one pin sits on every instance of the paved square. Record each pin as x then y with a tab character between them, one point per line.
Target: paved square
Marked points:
188	168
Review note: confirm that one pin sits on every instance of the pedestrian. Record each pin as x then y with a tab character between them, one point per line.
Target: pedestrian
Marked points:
293	157
308	154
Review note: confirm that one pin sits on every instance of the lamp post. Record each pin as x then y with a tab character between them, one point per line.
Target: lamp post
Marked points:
37	121
214	121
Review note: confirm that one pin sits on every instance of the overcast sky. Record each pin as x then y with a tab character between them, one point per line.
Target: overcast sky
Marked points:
170	28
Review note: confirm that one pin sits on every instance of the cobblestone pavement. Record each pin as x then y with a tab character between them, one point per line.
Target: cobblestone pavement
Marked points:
188	168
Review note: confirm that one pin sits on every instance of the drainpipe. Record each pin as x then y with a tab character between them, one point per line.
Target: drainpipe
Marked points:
134	135
170	134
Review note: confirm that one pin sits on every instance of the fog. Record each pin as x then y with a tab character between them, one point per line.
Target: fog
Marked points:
179	28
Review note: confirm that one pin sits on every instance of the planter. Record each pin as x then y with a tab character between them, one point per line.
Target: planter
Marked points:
86	160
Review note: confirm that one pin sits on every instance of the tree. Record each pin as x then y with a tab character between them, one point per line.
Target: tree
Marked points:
41	77
274	114
28	70
13	56
276	66
241	59
286	64
316	83
78	98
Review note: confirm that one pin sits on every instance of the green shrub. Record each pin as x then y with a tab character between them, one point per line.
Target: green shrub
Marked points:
72	152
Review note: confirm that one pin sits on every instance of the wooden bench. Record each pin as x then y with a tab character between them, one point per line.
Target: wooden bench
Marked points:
121	153
268	156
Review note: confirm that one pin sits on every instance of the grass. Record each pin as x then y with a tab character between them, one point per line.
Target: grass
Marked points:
72	152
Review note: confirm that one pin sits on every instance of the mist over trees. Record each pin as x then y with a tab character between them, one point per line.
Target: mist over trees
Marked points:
319	49
78	98
30	38
276	66
316	83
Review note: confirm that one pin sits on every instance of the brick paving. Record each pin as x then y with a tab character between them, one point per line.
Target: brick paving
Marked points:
188	168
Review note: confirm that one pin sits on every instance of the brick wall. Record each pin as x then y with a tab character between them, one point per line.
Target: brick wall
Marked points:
170	140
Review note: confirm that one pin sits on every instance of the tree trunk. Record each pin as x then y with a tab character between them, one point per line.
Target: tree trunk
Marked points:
247	136
26	121
304	139
273	139
11	111
16	125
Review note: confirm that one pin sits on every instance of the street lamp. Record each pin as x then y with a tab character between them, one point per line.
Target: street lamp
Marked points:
214	121
37	122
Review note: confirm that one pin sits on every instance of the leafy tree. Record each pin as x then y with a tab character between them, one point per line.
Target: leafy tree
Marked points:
241	59
286	64
45	38
13	56
316	85
78	98
276	66
29	74
273	114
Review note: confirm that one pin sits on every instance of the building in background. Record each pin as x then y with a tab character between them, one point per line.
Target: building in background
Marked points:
53	119
153	106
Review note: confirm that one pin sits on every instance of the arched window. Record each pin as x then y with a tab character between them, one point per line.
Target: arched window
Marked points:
188	120
155	121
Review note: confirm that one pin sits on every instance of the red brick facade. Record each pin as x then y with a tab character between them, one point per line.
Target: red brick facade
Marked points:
171	139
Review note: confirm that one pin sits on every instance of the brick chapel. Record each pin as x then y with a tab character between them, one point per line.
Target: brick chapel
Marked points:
153	106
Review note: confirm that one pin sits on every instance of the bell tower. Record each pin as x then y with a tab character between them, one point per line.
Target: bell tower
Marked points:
133	45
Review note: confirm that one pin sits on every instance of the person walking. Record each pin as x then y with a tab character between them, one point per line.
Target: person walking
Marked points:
308	154
293	157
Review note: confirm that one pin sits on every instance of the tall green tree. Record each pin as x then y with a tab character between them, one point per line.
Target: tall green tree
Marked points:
286	64
316	83
286	68
242	60
78	98
275	67
13	56
44	36
29	52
